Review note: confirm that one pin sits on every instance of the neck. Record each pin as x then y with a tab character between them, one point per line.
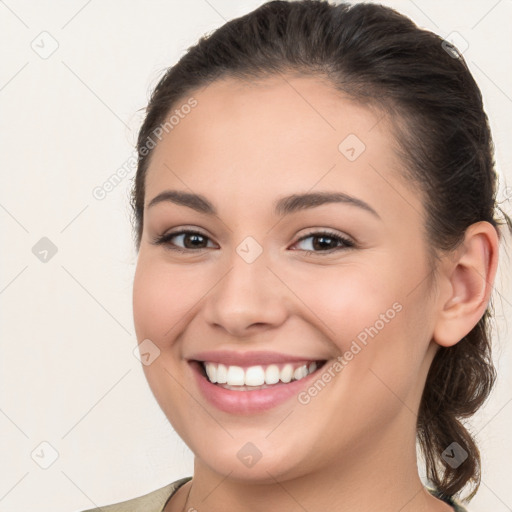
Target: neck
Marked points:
383	476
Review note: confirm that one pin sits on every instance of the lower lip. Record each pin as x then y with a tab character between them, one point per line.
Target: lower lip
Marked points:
248	402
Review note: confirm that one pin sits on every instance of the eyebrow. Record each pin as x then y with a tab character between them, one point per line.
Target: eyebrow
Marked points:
283	206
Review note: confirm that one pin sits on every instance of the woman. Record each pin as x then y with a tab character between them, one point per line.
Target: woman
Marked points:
316	223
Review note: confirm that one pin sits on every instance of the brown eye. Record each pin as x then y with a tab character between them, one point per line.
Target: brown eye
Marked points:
324	242
185	240
193	240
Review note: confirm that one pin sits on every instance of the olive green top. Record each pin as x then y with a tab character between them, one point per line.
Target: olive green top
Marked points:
155	501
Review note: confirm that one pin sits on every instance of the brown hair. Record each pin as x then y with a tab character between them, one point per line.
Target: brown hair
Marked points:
377	55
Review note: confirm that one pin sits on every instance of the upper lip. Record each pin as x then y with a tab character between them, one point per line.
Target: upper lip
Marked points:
248	358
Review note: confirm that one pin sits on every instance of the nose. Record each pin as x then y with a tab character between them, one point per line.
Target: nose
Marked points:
249	298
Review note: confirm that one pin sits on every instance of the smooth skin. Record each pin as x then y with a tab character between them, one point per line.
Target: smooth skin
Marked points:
352	447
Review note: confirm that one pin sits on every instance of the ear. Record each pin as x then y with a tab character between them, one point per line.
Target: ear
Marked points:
466	281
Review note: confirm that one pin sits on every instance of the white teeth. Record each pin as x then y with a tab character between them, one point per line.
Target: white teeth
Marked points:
211	371
300	372
256	376
272	374
287	373
235	376
222	374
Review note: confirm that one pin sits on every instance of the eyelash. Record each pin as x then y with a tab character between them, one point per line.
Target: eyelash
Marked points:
165	239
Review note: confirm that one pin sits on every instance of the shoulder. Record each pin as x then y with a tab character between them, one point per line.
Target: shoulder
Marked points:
152	502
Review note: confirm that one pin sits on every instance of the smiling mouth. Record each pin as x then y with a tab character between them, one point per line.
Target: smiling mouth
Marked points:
252	378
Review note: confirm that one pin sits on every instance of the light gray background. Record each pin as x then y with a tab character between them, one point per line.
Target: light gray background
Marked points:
68	376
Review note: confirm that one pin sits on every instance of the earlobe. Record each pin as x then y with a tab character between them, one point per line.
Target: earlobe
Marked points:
469	278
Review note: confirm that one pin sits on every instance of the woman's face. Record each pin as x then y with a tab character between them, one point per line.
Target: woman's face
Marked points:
273	177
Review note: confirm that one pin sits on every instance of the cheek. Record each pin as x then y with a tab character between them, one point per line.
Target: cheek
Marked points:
379	327
163	298
349	302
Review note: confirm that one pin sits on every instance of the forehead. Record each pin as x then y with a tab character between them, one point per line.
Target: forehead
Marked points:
279	136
